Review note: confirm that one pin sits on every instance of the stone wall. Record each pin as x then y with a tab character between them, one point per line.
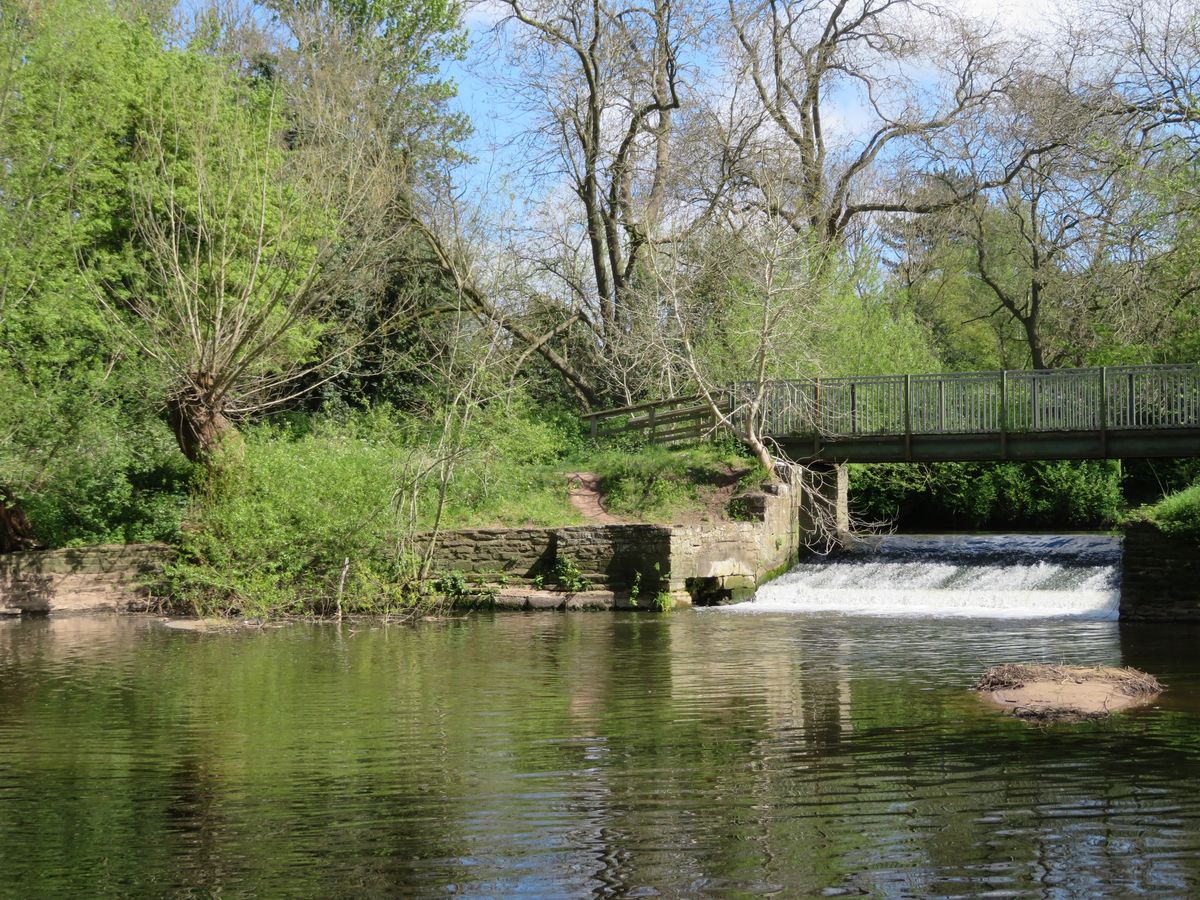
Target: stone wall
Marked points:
87	579
707	563
1160	576
726	562
704	563
608	555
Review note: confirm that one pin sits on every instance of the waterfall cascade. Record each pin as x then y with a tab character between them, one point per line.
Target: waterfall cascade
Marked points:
992	576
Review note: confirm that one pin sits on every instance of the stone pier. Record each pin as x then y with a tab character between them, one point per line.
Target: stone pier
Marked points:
1160	576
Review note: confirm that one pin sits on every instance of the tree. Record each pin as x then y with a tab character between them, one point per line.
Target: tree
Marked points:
780	153
71	74
1071	250
603	81
268	205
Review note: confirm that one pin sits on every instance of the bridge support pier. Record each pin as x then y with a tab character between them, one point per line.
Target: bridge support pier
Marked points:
825	506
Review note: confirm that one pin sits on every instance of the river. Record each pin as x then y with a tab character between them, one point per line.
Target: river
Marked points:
823	745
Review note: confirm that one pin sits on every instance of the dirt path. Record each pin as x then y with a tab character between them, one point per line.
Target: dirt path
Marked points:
583	488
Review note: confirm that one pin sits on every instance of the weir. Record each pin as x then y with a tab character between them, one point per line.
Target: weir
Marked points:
981	576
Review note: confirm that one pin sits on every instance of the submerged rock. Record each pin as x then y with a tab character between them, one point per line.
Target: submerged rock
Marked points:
1040	692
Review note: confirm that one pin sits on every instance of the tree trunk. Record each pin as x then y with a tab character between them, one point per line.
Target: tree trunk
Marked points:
1035	343
201	429
757	446
15	531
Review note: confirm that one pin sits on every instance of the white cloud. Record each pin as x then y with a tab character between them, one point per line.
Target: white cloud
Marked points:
1026	16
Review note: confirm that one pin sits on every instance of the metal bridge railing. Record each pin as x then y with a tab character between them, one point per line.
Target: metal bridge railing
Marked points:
1061	400
1110	398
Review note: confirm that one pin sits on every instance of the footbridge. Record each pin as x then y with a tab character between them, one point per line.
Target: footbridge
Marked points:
1109	412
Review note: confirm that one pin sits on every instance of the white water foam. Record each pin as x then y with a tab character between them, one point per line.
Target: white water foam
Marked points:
992	576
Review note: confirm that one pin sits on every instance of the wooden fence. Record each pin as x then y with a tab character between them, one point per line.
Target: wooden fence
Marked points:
661	422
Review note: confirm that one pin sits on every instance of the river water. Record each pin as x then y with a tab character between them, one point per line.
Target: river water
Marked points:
800	751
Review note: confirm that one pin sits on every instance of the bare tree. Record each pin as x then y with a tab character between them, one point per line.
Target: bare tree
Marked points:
1064	245
1144	52
794	59
603	81
741	310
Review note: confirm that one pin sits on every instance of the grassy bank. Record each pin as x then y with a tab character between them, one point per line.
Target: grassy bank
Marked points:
1177	515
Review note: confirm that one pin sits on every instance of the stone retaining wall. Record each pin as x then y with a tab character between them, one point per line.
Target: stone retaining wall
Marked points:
1160	576
704	563
707	563
87	579
608	555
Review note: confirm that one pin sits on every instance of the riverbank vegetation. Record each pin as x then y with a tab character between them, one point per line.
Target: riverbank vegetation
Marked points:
1177	515
264	296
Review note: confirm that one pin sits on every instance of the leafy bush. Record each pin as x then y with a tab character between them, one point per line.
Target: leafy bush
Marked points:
116	481
569	577
992	495
271	533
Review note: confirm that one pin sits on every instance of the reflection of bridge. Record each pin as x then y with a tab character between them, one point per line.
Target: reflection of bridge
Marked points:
1112	412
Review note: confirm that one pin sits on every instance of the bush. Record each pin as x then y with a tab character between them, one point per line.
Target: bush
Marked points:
988	495
120	482
270	534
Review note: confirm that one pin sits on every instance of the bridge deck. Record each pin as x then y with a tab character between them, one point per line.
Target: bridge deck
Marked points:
1109	412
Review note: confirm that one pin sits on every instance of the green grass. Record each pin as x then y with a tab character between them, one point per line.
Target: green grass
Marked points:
1177	514
660	484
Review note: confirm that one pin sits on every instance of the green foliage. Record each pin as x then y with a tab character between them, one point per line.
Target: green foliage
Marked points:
856	314
509	472
991	495
796	309
451	585
568	576
662	601
270	535
79	450
1177	514
126	488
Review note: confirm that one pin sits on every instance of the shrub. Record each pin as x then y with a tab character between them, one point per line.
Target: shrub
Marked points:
122	482
271	533
995	495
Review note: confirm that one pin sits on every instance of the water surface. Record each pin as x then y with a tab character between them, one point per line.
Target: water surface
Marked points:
551	754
